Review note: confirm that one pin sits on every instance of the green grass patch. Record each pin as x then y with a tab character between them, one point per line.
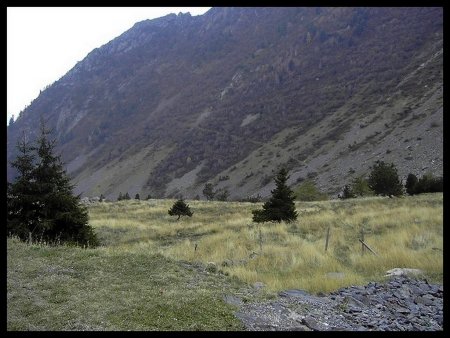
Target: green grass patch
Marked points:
62	288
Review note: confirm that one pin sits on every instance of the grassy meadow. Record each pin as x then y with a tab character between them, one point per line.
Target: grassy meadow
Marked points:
144	276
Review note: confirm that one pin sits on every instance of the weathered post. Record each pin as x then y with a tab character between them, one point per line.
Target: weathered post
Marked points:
362	241
328	236
260	240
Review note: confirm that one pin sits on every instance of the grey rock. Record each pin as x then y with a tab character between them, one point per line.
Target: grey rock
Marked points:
311	323
352	301
401	304
299	328
258	285
293	293
233	300
423	300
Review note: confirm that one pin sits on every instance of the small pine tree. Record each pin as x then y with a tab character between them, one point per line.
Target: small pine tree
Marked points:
137	197
120	197
410	185
149	197
126	197
281	206
384	180
180	208
102	198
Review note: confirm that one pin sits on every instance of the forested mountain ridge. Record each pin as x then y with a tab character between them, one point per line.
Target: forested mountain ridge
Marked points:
230	96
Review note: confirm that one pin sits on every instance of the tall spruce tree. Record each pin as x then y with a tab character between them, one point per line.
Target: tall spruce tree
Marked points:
62	216
22	202
281	206
55	214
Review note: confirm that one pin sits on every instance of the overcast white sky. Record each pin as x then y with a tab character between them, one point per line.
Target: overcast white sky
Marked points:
44	43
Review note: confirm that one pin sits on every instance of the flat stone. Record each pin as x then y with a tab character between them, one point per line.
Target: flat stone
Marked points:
258	285
423	300
402	310
232	300
311	323
403	272
351	301
299	328
293	293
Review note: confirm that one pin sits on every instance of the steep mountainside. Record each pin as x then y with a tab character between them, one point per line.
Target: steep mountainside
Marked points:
229	96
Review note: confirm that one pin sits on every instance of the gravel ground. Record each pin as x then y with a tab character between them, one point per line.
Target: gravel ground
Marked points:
401	304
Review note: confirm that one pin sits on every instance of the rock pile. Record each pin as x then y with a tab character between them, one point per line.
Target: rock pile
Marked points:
401	304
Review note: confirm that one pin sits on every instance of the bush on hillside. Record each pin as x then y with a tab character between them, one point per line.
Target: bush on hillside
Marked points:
384	180
347	193
410	185
360	187
307	191
427	183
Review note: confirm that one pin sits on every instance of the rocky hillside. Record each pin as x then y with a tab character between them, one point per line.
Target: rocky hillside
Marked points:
230	96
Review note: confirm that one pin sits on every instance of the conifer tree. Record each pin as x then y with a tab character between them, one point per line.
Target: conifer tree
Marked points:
61	215
281	206
410	185
180	208
137	197
22	202
41	202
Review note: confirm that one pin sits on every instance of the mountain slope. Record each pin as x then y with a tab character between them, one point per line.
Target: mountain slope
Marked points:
229	96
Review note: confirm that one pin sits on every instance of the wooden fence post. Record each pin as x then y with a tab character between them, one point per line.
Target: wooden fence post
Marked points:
362	241
328	236
260	240
368	248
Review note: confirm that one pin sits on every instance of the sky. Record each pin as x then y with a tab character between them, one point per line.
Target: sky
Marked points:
44	43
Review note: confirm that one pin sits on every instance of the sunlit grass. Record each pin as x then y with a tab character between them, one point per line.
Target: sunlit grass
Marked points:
403	232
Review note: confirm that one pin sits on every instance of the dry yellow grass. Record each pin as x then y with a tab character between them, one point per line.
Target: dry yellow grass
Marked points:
404	232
